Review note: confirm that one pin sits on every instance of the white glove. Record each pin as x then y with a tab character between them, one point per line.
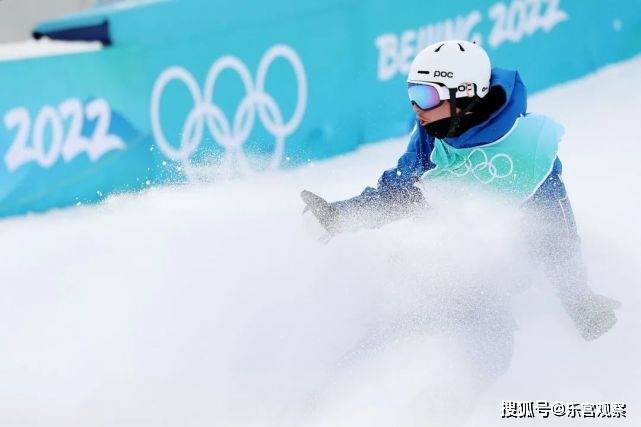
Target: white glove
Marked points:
320	217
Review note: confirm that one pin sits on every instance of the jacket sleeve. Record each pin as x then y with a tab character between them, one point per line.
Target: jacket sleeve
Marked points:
411	165
395	196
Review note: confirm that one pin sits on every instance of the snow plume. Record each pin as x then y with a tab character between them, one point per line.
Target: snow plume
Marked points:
439	328
245	320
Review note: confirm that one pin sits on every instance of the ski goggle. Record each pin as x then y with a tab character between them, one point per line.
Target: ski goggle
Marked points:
427	96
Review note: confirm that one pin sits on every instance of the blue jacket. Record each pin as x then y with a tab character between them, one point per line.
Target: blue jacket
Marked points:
556	244
416	159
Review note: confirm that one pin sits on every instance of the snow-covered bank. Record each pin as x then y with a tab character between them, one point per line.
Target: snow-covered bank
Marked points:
209	305
44	47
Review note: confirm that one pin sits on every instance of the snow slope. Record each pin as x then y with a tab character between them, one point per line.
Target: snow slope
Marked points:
209	305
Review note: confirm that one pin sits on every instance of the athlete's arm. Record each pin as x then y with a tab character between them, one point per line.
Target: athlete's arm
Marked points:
394	197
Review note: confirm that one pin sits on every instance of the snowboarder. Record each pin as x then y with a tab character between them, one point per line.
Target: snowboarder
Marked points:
472	127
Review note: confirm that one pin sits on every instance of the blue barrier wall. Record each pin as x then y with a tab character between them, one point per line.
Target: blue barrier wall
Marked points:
253	86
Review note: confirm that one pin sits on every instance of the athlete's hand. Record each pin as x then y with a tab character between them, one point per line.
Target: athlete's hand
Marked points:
593	315
321	212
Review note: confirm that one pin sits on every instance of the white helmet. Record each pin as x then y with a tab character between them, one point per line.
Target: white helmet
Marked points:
453	64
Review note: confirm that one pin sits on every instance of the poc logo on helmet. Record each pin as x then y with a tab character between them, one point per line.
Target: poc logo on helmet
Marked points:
443	74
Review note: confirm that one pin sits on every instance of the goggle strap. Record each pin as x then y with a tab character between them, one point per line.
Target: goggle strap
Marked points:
456	118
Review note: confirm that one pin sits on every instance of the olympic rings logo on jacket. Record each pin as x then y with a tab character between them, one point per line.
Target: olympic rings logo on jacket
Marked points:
498	166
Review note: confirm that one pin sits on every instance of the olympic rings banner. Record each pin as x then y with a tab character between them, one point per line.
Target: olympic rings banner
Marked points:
257	86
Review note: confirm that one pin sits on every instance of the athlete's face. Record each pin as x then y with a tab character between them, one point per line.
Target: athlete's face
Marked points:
438	113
